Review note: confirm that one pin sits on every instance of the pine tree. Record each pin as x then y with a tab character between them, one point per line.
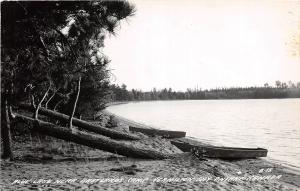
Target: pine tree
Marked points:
50	46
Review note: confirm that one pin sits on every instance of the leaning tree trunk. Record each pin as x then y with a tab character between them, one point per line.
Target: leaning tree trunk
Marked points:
75	104
93	141
83	124
36	113
6	134
52	96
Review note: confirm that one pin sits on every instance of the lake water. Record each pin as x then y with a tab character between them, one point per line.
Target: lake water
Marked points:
269	123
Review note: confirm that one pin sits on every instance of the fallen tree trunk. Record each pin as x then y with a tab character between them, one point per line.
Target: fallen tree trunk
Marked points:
93	141
83	124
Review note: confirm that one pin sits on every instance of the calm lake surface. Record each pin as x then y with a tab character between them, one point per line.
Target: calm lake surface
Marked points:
269	123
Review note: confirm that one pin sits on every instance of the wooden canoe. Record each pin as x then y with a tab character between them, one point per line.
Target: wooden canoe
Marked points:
163	133
222	152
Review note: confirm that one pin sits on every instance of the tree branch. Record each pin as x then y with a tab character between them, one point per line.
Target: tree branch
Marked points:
40	103
66	41
54	93
57	104
75	103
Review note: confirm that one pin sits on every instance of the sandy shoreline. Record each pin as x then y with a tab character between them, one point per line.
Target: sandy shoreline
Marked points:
183	173
45	165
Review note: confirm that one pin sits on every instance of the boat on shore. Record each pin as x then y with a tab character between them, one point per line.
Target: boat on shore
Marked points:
158	132
221	152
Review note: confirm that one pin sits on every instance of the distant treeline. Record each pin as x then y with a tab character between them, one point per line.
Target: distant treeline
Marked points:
280	90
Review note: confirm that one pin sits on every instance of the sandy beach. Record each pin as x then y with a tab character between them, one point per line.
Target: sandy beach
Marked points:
48	164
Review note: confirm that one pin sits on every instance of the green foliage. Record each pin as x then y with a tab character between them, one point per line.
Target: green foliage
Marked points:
56	42
282	90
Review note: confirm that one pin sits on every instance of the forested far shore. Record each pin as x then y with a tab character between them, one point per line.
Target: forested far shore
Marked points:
280	90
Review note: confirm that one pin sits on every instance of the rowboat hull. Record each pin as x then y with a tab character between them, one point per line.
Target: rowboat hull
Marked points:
222	152
158	132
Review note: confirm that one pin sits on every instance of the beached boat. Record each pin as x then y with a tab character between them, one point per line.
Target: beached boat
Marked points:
158	132
221	152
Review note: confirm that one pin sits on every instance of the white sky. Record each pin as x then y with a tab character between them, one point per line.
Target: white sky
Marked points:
182	44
